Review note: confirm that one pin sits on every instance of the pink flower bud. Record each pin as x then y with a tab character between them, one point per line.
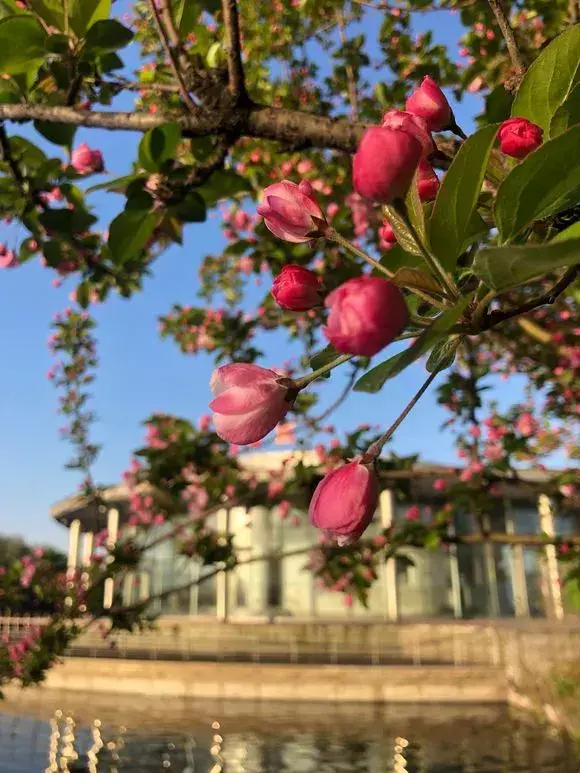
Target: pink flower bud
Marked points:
366	314
8	258
290	211
518	137
86	161
345	500
384	164
386	236
250	401
427	181
430	104
439	484
297	288
413	125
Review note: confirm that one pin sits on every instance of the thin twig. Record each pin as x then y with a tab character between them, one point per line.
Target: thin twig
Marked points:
237	84
341	398
508	35
375	448
166	38
350	74
549	297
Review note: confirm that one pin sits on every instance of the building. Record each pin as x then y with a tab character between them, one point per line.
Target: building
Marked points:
464	581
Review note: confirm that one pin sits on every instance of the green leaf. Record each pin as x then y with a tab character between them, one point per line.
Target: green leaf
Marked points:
456	200
58	133
504	267
52	253
550	80
22	44
82	295
224	184
51	11
572	232
129	233
215	55
443	354
66	221
159	145
324	357
416	279
108	35
373	380
566	115
404	237
396	258
544	183
192	209
83	14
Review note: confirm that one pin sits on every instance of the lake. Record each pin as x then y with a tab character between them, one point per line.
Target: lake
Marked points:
44	731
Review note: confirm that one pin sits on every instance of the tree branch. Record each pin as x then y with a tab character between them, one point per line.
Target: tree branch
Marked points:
167	37
256	121
508	36
237	84
549	297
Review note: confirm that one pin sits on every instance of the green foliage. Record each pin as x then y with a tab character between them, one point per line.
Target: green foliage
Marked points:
84	14
504	267
159	145
374	379
129	233
550	80
58	133
543	184
449	227
22	44
107	35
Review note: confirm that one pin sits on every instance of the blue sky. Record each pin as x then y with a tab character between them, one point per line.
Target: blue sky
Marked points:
139	373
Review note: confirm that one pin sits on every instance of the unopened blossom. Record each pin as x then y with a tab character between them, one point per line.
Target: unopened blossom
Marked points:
366	314
430	103
518	137
413	125
385	164
250	401
291	212
387	238
440	484
297	288
427	181
8	257
85	160
345	501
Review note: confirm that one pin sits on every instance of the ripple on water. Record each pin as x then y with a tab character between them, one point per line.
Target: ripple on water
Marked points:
43	731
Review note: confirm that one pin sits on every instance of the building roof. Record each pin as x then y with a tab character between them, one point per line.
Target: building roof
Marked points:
261	463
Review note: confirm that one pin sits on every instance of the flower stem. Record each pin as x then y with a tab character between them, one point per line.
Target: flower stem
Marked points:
375	448
430	259
305	380
334	236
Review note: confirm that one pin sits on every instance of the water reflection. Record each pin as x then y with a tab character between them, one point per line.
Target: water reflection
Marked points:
100	734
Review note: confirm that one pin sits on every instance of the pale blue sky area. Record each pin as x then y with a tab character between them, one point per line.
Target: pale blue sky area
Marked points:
139	373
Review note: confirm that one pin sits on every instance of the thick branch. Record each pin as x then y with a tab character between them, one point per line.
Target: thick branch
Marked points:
256	121
508	35
237	83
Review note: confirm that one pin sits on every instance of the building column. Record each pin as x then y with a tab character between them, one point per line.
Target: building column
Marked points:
223	519
74	534
455	577
490	572
518	570
112	534
386	506
555	606
258	585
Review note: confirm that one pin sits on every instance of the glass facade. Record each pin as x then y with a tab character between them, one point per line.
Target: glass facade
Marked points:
456	581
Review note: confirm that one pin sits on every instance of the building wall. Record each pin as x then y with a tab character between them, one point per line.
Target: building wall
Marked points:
466	581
